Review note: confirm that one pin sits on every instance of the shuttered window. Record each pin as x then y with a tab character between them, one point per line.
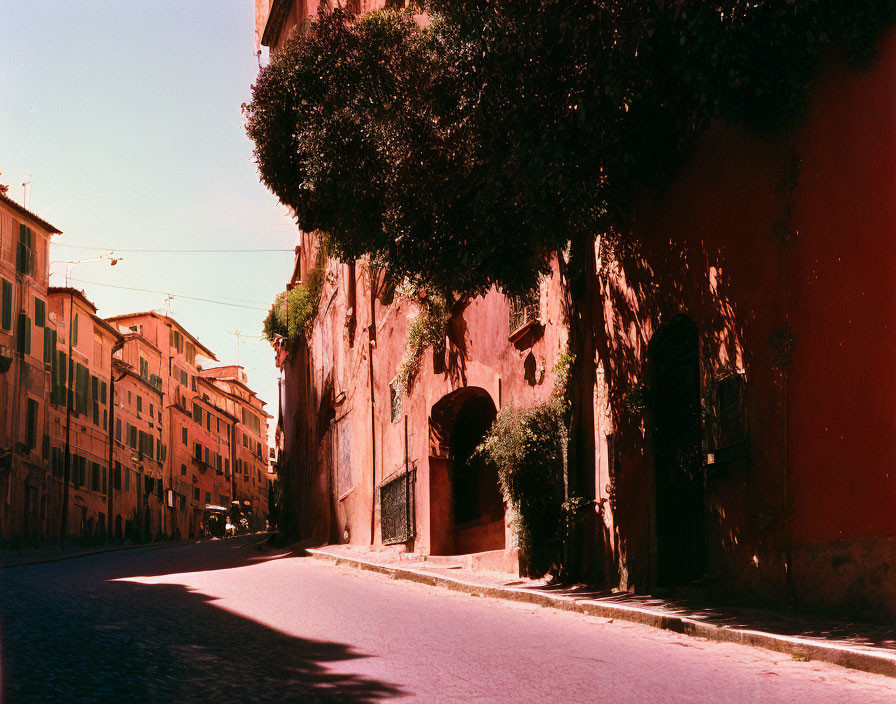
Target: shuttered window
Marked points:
6	316
40	312
25	251
31	436
23	335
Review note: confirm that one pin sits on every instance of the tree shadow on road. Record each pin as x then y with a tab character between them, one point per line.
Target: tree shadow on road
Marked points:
103	640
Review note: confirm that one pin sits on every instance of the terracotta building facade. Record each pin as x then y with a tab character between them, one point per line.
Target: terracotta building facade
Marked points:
100	419
25	341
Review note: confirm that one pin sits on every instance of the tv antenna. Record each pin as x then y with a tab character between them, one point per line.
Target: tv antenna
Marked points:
26	192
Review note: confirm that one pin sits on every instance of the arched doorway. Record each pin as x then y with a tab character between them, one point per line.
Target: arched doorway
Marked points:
675	424
468	510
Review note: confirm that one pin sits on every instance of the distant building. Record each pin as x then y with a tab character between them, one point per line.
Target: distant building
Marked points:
252	473
196	460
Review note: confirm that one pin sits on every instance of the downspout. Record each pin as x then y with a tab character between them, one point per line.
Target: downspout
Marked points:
17	384
231	439
66	470
371	333
117	346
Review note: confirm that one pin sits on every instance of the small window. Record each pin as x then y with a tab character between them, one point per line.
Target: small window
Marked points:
183	470
731	410
395	401
183	436
524	309
208	497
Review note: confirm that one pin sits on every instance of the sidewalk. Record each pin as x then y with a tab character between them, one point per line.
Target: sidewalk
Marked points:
858	646
53	553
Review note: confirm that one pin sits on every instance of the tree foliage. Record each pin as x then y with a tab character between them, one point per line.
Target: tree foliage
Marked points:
293	312
465	150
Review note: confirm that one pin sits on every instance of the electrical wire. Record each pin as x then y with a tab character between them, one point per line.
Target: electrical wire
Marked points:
173	251
173	295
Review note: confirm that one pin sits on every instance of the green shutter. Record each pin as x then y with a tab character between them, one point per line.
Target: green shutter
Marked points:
75	331
6	318
31	438
23	333
40	312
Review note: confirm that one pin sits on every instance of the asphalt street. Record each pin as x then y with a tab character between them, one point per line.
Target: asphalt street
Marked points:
222	622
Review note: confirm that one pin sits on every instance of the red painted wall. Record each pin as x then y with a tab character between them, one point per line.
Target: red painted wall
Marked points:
830	430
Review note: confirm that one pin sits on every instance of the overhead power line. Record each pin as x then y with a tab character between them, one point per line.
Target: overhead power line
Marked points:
172	251
173	295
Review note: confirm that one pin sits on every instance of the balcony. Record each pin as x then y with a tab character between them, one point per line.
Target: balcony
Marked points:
525	326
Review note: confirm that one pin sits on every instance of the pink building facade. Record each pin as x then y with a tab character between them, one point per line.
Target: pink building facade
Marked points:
743	401
25	345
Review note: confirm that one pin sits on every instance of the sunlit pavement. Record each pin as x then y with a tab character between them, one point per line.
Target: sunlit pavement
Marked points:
223	622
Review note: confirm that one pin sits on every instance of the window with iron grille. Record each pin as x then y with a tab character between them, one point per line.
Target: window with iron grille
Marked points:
397	509
731	410
524	309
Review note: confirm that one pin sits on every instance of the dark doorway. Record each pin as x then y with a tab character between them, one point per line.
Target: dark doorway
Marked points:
476	492
674	412
467	508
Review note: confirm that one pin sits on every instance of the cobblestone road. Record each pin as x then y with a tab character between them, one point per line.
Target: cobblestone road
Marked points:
223	622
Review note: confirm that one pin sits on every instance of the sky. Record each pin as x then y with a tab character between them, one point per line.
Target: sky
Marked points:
125	117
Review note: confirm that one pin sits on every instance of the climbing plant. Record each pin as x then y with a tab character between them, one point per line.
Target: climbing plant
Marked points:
426	329
293	311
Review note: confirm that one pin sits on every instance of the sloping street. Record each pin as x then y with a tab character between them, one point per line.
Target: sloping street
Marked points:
225	621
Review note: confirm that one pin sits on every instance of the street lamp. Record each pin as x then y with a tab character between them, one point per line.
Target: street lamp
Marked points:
108	256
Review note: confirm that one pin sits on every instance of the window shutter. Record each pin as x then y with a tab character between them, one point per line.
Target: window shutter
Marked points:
6	318
23	334
40	312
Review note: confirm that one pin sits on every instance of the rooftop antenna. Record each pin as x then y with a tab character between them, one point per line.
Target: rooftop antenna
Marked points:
239	337
26	191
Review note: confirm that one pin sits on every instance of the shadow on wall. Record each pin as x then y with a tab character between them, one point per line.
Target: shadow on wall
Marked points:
643	291
139	642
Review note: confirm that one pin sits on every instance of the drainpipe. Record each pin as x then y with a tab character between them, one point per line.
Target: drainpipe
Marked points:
117	346
371	332
66	469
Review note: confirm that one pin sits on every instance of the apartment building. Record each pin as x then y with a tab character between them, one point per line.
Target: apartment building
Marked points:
78	441
140	440
25	341
253	476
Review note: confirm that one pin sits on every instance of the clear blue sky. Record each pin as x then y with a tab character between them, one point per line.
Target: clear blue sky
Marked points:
126	116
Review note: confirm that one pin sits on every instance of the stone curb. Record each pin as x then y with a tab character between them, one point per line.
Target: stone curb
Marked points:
100	551
882	663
